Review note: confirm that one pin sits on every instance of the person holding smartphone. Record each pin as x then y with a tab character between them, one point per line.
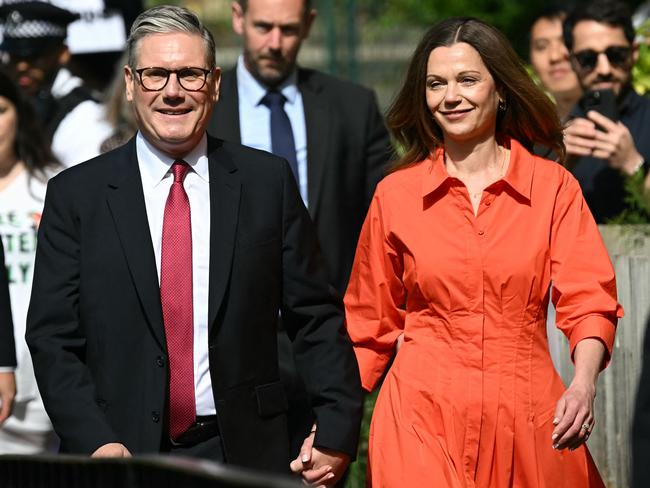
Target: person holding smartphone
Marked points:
607	135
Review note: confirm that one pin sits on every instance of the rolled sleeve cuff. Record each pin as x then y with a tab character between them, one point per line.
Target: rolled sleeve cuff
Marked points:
594	327
7	369
371	366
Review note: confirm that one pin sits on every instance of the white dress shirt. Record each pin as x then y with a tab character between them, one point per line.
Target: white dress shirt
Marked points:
156	182
255	118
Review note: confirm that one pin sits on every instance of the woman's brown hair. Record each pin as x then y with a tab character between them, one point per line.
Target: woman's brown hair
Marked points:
529	116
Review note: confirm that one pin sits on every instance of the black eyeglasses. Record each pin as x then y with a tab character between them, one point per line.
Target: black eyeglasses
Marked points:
190	79
618	56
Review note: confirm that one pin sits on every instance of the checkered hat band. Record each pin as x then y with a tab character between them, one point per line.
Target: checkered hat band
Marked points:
33	29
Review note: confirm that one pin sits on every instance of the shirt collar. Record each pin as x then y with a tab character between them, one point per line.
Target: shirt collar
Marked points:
155	165
519	175
253	91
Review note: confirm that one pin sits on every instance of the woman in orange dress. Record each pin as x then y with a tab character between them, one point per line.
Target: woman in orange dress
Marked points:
457	254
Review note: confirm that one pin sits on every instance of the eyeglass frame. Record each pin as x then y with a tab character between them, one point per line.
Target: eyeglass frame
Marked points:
621	65
169	72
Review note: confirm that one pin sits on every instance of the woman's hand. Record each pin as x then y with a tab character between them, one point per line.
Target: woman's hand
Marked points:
574	415
319	467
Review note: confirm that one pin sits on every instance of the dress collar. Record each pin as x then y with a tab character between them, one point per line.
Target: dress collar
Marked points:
519	175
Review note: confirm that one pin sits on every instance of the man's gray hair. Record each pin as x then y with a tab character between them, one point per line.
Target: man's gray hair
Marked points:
167	19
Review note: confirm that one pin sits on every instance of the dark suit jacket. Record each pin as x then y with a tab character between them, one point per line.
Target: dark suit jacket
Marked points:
348	149
641	424
7	345
95	327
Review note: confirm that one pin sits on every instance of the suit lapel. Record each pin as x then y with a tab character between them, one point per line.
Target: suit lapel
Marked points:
126	203
318	120
224	123
225	189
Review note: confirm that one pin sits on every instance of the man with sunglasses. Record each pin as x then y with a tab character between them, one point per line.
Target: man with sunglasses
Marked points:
604	151
160	272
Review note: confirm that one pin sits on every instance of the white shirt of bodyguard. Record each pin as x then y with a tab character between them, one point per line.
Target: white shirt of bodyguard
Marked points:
255	118
82	131
156	182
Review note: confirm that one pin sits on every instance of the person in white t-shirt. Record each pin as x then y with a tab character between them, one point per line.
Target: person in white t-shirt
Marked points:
26	161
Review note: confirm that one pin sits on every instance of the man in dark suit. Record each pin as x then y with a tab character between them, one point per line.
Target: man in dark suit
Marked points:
7	345
341	144
160	271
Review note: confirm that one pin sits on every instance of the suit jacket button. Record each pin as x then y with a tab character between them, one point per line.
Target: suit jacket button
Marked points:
155	417
160	361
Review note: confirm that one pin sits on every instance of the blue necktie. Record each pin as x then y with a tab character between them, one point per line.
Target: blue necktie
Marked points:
282	143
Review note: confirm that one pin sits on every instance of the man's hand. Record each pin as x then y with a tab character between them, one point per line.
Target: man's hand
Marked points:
7	395
111	450
319	467
612	141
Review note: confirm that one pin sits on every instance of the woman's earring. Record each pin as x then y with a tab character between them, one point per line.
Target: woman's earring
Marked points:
502	105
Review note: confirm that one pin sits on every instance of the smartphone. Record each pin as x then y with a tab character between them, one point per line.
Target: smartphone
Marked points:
602	101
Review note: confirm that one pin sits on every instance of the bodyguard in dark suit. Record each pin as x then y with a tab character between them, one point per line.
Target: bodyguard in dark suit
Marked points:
7	345
341	143
113	294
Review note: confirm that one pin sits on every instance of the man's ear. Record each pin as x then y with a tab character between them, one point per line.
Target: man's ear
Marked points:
309	21
216	76
129	82
635	52
237	18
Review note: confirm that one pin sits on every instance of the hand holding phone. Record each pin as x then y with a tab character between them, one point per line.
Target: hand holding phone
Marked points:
601	135
602	101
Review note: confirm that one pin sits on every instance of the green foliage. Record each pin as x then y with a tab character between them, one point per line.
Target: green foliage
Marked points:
512	17
641	70
637	199
155	3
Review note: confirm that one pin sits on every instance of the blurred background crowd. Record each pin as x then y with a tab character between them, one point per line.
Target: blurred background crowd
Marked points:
62	101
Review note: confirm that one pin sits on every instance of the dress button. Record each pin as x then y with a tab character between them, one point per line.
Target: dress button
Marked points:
480	232
155	417
160	361
487	203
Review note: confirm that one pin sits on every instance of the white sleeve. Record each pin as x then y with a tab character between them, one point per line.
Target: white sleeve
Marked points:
81	133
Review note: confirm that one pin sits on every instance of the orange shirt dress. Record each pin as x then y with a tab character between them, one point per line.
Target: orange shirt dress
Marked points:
470	397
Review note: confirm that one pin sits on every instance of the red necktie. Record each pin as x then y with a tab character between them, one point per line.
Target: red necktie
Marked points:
176	297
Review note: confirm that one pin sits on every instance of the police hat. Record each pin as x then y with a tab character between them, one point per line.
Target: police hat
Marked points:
30	27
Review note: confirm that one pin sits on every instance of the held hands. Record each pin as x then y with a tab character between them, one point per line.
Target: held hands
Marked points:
574	415
612	141
111	450
7	395
319	467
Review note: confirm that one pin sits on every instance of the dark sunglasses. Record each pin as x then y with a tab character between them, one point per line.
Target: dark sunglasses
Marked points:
618	56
